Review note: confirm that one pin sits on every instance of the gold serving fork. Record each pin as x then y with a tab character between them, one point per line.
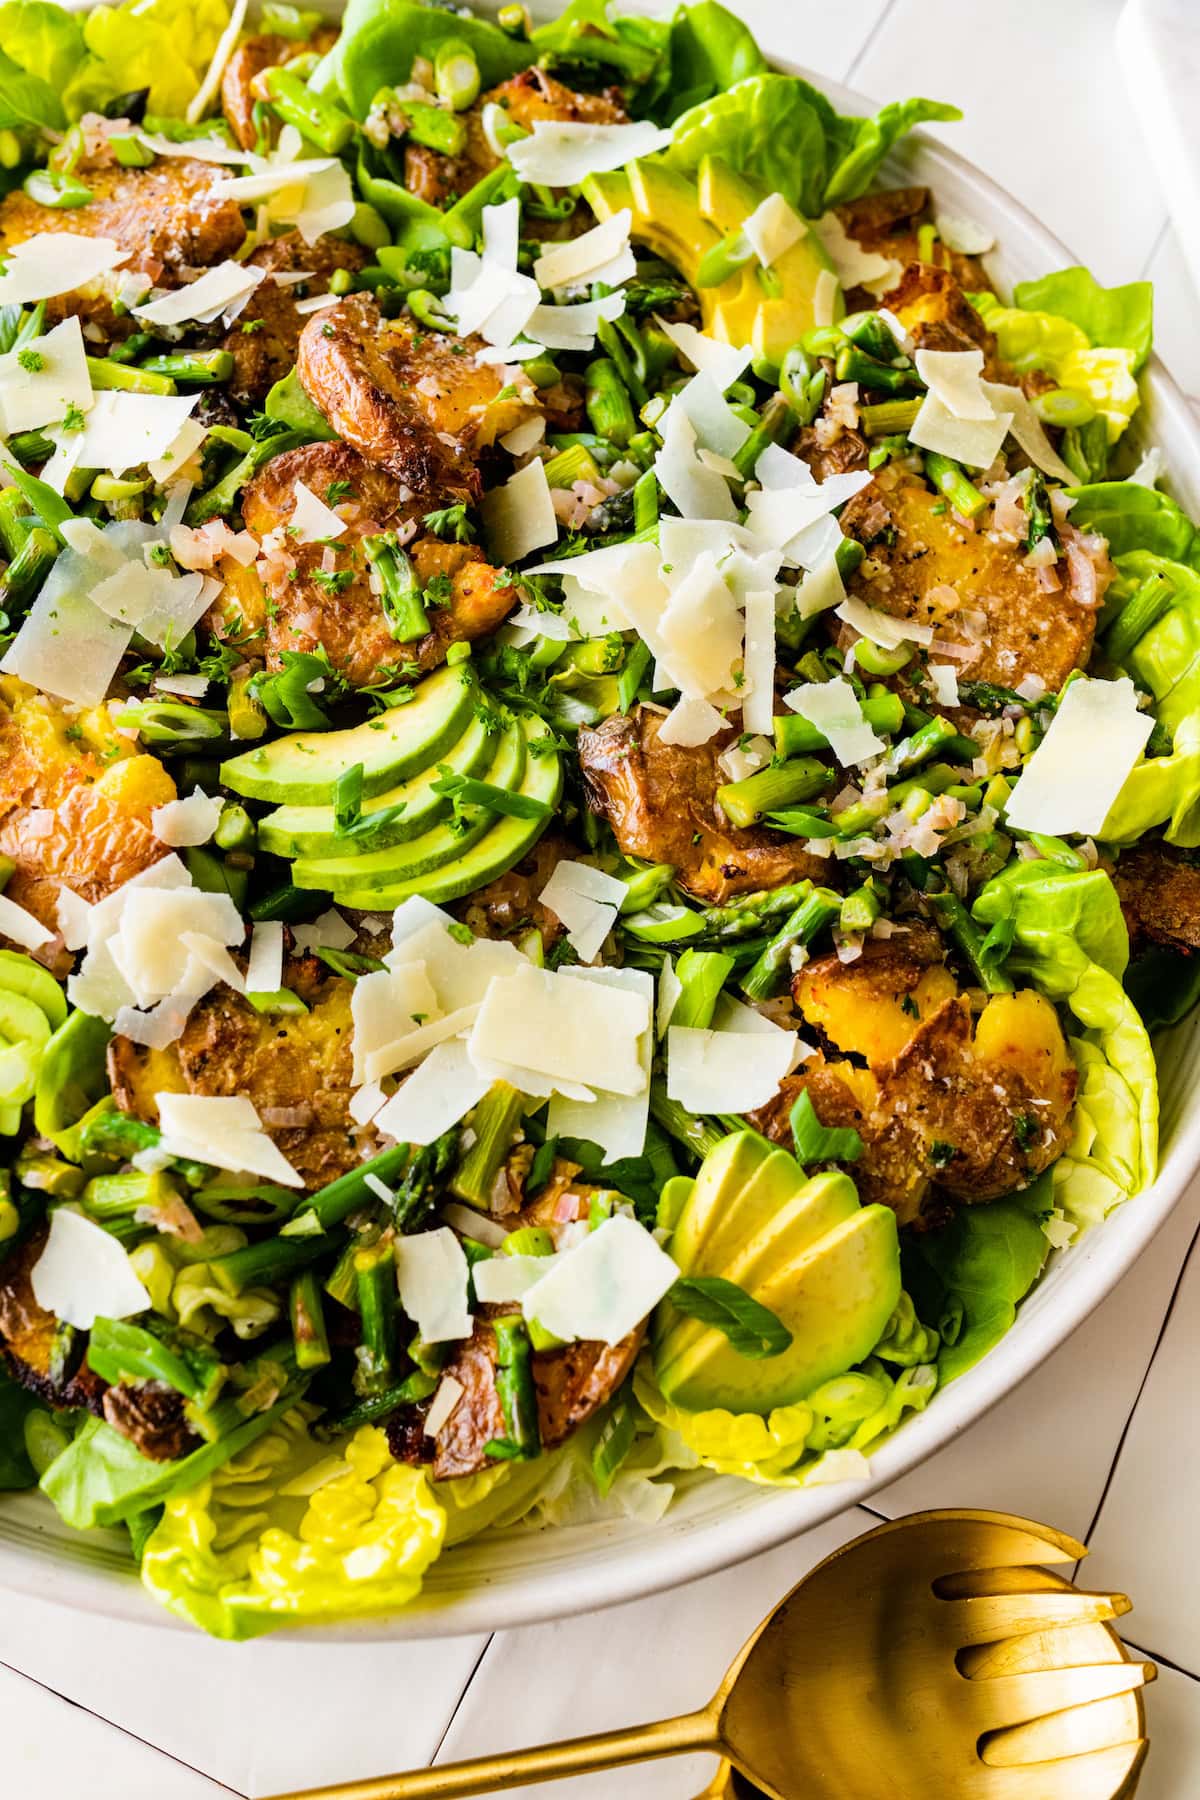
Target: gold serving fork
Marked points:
933	1657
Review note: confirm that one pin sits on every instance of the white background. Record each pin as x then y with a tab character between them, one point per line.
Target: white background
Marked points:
1101	1442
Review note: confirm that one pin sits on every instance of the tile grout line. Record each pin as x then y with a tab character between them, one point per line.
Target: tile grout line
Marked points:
1157	1657
1162	1332
465	1689
869	40
218	1786
1157	245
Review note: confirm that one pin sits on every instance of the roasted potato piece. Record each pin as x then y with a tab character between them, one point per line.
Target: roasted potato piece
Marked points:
890	223
413	401
285	1062
572	1383
75	801
660	800
922	565
264	338
533	94
1159	889
250	59
310	608
165	217
975	1116
27	1335
932	307
872	1006
150	1414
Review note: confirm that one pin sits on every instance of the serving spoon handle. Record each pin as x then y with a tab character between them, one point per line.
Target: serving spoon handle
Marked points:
694	1732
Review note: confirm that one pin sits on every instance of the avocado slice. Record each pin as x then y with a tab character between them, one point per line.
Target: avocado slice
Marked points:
312	830
494	855
21	975
752	315
725	1171
301	769
443	842
835	1299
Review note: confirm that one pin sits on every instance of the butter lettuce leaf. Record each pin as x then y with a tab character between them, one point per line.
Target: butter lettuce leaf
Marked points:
977	1269
287	1531
1119	317
16	1470
787	138
1068	938
1165	659
710	50
633	48
1133	517
163	45
380	38
43	40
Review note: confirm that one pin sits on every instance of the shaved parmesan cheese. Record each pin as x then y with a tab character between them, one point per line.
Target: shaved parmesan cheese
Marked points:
690	722
855	266
616	1122
524	436
587	901
834	708
475	1225
758	704
976	442
329	931
190	821
1150	469
487	295
181	449
955	376
586	1034
74	915
449	1393
431	1270
314	303
156	1029
83	1274
772	228
602	254
604	1287
1077	771
67	645
783	514
30	398
572	327
701	632
726	1071
198	149
159	605
435	1096
54	262
214	959
699	493
312	520
313	195
1027	428
365	1102
202	99
821	588
225	1133
21	926
125	429
716	425
901	333
881	627
825	298
204	299
964	235
943	678
670	989
723	362
148	950
502	1279
519	515
264	970
402	1051
561	153
387	1006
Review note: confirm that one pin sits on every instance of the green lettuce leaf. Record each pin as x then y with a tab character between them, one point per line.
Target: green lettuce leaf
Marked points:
710	50
16	1470
1165	659
1120	317
788	138
584	33
43	40
1133	517
977	1269
1069	939
329	1535
163	45
380	38
1164	985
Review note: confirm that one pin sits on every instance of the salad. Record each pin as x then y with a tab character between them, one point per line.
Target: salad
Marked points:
599	781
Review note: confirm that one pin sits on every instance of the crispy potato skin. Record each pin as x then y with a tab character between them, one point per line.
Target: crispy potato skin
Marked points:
74	810
660	800
974	1114
279	1060
27	1335
350	624
533	94
250	59
1159	890
403	399
165	217
572	1383
264	338
922	565
889	223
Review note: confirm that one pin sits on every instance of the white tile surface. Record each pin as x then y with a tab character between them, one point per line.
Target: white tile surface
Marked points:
1044	115
1146	1528
1040	88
